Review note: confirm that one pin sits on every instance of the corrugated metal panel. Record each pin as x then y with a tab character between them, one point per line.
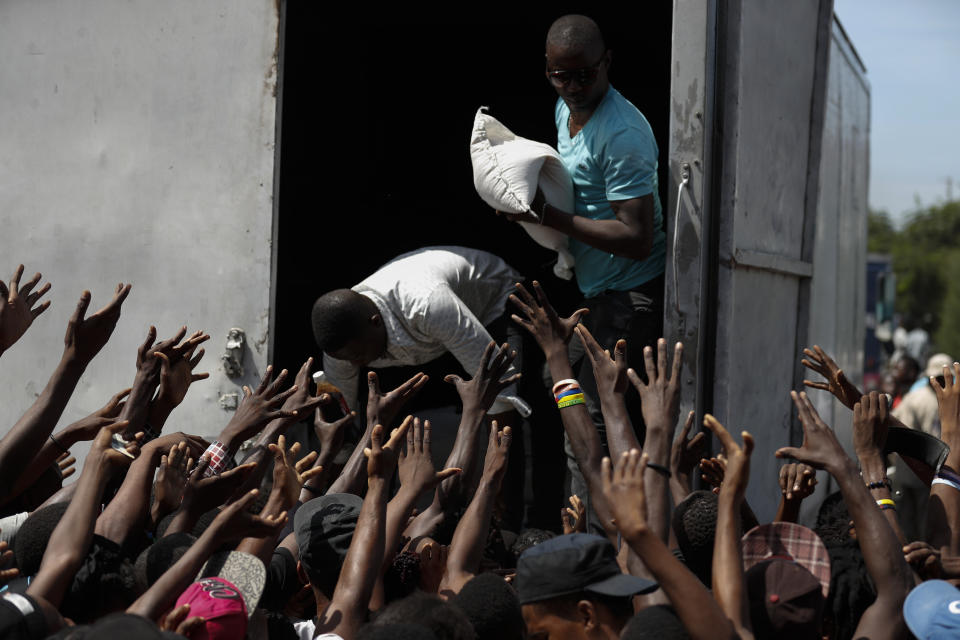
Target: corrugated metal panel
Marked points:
138	146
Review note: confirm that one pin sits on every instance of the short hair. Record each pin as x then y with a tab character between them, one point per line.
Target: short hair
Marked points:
658	622
492	607
833	520
443	619
575	32
529	538
31	540
402	576
337	318
851	589
695	525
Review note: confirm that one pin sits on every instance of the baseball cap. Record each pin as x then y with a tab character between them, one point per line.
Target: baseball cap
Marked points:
324	528
571	564
791	542
786	600
936	363
225	594
932	610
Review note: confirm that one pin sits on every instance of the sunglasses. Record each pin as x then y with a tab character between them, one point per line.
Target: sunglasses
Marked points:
584	75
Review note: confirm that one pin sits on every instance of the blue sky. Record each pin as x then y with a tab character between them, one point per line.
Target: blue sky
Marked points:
912	54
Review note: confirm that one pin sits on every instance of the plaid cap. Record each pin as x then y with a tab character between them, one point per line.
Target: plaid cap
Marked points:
932	610
787	541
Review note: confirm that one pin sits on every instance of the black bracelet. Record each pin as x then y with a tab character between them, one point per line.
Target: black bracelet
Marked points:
659	468
315	492
56	442
885	483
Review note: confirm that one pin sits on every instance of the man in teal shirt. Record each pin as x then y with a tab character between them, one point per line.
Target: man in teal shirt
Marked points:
616	230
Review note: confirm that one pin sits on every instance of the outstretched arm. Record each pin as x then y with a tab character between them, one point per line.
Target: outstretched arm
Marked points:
85	337
623	487
882	552
18	307
943	512
469	539
347	610
728	581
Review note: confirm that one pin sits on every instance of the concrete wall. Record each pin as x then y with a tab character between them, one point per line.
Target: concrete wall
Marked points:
137	145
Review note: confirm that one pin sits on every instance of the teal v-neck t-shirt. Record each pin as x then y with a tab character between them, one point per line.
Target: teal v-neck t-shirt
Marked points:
614	157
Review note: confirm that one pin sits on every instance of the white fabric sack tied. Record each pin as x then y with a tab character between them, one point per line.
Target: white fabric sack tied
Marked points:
506	172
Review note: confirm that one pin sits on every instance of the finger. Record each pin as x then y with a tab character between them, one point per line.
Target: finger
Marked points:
506	382
239	472
36	312
720	432
15	280
122	292
823	386
590	343
274	388
4	291
697	441
398	434
506	438
173	619
280	398
649	364
788	452
197	358
661	357
80	311
413	385
685	430
376	438
266	379
281	414
496	367
485	358
303	375
635	380
542	299
523	299
373	385
66	463
412	437
188	626
448	473
294	450
606	473
427	432
453	379
566	521
117	427
199	376
312	472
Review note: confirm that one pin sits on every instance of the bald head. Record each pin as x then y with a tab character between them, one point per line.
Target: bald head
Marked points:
576	33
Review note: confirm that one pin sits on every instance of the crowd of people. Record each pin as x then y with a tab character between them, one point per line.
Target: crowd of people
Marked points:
164	534
252	535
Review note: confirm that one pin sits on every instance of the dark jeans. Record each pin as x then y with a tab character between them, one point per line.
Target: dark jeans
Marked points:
637	317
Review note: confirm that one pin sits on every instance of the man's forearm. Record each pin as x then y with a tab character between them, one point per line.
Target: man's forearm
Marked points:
613	236
454	490
19	447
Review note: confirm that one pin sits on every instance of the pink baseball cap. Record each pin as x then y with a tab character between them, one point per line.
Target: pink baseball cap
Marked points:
221	604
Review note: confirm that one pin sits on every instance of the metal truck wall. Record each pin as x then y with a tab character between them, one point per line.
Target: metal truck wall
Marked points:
772	77
138	146
838	288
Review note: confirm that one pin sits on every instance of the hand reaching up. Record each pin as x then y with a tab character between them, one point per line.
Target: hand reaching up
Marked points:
168	486
498	453
382	408
948	398
797	480
551	331
685	453
820	361
623	489
289	477
18	307
610	373
870	425
86	336
6	557
574	517
737	473
821	449
235	521
416	468
382	458
88	427
660	394
481	391
330	434
260	407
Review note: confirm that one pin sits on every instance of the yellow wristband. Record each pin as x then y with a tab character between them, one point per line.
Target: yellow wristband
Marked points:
886	502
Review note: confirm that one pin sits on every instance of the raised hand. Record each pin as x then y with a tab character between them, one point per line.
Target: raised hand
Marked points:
168	486
820	361
289	477
103	448
235	521
820	449
870	424
610	373
202	494
382	458
574	517
737	473
924	558
797	480
18	307
67	465
330	434
660	395
498	452
948	398
415	467
713	470
86	336
177	376
300	401
623	489
481	391
685	454
382	408
551	331
260	407
88	427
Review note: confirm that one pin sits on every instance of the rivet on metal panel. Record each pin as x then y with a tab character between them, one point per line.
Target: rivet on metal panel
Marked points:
229	401
232	358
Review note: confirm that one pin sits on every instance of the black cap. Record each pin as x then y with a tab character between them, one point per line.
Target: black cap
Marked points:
571	564
324	528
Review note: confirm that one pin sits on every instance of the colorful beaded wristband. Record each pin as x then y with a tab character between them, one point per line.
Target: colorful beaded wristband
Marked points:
569	401
886	503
